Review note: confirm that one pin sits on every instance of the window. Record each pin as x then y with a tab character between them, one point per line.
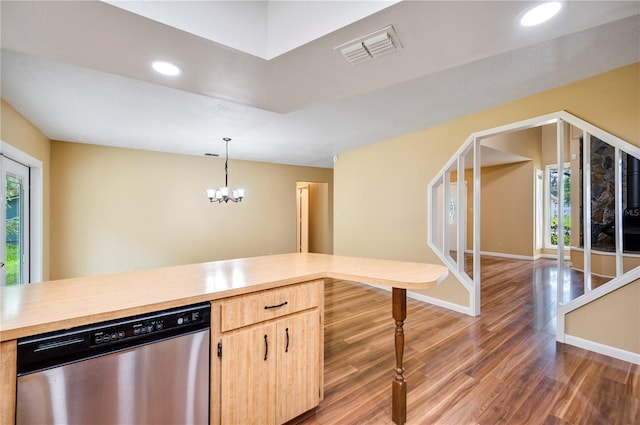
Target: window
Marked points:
539	206
553	191
14	253
27	238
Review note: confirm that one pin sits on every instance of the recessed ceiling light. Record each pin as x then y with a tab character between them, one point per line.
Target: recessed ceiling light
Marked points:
541	13
166	68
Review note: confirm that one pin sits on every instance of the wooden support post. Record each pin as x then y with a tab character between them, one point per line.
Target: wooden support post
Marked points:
399	385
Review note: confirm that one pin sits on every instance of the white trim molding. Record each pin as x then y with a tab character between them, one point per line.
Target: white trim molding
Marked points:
503	255
430	300
612	285
441	303
607	350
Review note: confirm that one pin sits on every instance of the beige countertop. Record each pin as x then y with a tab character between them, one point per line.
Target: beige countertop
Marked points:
54	305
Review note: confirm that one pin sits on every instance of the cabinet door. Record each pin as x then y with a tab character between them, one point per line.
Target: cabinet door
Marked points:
249	376
298	364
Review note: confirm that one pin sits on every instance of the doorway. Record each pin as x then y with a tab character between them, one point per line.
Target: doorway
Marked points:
32	216
313	230
302	217
15	233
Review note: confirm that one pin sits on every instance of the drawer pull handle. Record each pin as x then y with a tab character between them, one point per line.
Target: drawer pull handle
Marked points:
286	349
267	307
266	348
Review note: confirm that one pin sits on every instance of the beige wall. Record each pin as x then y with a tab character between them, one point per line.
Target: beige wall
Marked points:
119	209
526	143
320	235
507	225
380	199
507	216
603	264
613	320
21	134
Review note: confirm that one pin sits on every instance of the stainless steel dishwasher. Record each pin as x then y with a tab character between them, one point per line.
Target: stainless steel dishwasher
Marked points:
147	369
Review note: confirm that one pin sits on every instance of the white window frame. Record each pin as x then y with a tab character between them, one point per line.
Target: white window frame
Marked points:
20	173
547	203
539	208
35	210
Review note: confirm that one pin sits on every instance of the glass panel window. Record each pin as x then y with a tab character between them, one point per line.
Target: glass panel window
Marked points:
14	229
555	189
15	247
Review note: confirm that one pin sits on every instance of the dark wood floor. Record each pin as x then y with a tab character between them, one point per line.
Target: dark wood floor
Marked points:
503	367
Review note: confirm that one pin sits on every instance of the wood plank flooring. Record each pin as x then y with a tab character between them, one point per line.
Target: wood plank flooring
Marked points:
503	367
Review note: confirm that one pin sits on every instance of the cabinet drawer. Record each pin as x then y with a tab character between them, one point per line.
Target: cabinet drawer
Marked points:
246	310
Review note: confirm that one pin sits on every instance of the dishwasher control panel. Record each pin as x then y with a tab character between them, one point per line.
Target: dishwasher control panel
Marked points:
147	326
42	351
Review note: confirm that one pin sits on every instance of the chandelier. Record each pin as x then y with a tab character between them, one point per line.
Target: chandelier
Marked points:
224	193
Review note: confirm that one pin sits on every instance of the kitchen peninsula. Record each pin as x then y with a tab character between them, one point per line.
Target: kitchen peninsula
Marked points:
232	287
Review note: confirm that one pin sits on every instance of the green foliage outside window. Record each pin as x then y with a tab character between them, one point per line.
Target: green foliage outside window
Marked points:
567	231
12	247
12	265
553	200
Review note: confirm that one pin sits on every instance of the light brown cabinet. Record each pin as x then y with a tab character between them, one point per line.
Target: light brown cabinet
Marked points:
270	355
298	358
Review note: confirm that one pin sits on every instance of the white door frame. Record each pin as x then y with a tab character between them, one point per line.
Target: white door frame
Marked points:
36	207
302	219
9	167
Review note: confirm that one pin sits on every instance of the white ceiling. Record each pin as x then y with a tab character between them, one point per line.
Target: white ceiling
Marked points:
263	28
80	71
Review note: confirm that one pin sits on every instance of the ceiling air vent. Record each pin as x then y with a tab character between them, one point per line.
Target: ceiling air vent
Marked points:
355	53
370	46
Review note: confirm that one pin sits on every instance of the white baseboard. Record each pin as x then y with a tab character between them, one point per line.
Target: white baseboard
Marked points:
503	255
596	274
521	257
430	300
607	350
440	303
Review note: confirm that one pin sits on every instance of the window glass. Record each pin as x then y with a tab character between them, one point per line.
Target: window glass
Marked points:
554	190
